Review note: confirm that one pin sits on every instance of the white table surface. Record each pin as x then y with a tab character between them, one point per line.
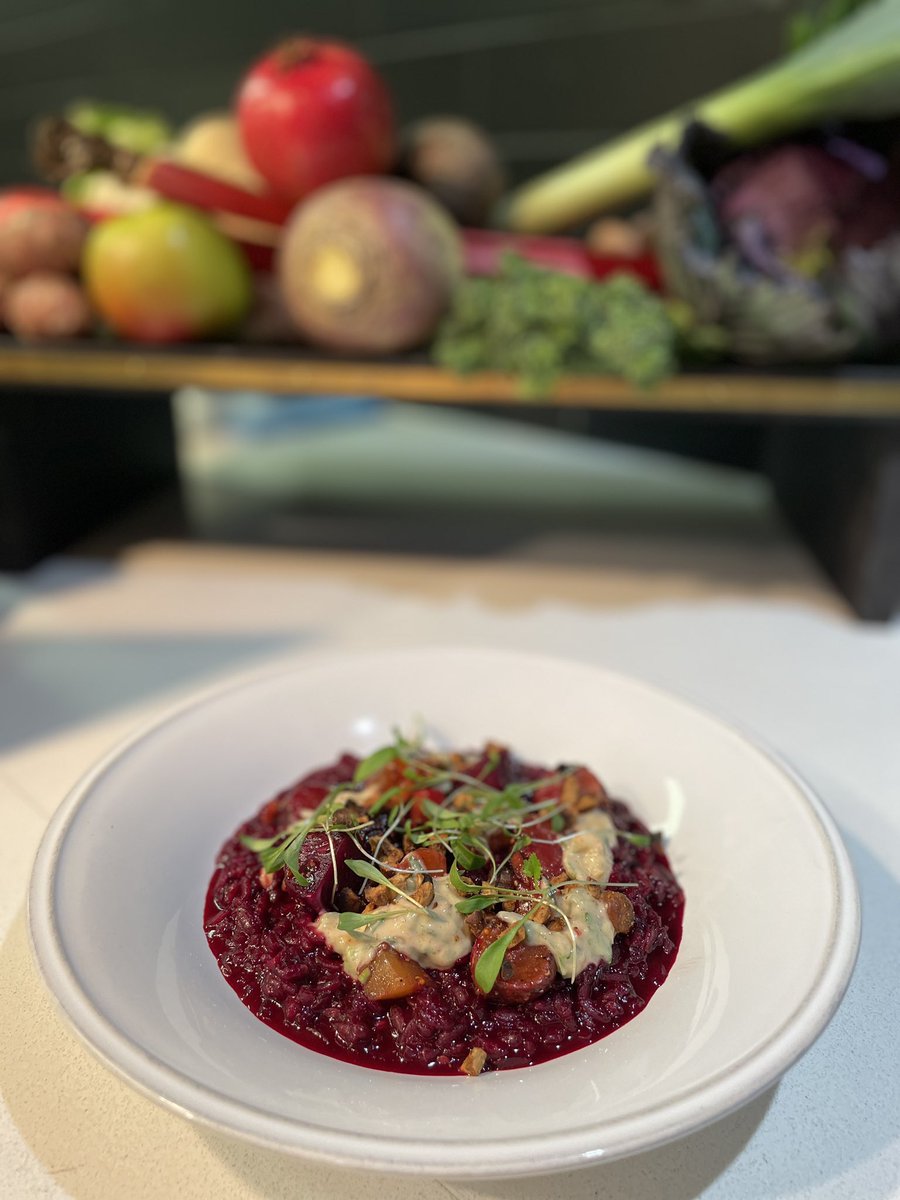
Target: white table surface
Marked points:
87	653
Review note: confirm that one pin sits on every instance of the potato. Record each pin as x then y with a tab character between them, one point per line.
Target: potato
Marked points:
457	162
39	232
46	305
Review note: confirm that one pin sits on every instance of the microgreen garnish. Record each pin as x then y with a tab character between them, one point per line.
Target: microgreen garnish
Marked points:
476	903
491	959
467	855
368	870
283	850
532	867
349	922
636	839
375	761
400	749
462	885
384	799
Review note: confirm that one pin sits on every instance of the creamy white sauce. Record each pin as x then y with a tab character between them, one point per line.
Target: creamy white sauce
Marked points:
588	855
437	937
591	925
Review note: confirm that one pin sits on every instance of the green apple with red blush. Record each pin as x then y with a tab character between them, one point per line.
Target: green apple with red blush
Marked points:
166	275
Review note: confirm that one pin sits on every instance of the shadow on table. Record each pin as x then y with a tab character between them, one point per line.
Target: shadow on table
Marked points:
103	1140
54	681
681	1171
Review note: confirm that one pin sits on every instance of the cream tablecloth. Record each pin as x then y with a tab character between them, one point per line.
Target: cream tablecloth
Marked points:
87	652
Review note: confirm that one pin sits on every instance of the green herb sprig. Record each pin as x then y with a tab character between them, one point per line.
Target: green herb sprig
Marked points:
491	959
367	870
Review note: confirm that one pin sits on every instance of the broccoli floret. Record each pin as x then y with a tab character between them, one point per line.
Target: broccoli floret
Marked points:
538	324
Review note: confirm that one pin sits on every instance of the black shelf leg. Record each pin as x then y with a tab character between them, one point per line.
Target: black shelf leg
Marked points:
73	460
839	486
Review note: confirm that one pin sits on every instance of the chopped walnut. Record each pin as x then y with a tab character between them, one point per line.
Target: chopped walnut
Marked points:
524	905
585	803
424	892
377	894
369	794
473	1063
267	878
556	924
474	922
465	802
350	814
569	792
581	791
348	901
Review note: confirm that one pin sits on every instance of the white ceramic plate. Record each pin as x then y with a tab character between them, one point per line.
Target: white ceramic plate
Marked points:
770	933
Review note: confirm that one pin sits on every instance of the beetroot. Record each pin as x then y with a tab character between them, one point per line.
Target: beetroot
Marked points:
318	867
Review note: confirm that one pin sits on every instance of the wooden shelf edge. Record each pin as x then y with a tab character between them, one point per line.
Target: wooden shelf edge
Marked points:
838	394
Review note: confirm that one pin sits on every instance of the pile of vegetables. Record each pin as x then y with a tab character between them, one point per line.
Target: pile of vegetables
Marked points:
771	221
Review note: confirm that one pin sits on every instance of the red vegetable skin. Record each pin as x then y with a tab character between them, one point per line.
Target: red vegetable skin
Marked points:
15	199
313	111
527	971
425	858
483	250
184	185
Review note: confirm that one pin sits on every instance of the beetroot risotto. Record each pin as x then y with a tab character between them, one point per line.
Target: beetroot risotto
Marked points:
434	913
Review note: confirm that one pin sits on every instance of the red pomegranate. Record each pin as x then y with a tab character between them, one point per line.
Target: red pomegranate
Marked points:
313	111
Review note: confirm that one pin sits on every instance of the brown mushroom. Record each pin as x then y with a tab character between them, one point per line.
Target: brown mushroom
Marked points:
619	909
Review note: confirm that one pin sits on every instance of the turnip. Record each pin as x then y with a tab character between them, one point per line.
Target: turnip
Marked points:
369	266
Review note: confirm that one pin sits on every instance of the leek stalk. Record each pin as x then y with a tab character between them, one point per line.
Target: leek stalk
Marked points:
852	70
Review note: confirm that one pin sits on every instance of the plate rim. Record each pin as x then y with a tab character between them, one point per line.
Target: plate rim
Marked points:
687	1112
